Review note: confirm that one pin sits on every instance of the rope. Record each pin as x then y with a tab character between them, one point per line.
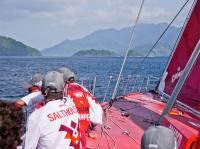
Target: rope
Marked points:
107	140
152	48
105	133
125	132
102	130
127	51
112	139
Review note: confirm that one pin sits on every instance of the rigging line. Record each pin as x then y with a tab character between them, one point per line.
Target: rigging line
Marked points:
124	131
102	130
127	51
112	139
107	140
105	133
100	139
152	48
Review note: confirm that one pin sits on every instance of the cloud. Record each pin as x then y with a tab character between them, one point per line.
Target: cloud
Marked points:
60	19
22	9
71	12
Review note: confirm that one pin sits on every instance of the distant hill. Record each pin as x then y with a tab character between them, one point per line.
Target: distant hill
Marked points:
95	53
117	40
159	50
11	47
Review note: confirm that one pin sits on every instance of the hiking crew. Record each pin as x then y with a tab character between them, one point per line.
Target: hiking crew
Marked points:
55	125
35	96
87	105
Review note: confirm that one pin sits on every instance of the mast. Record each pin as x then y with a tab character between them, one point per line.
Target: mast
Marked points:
181	81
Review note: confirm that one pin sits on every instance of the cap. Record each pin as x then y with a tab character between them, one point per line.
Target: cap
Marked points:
158	137
53	80
36	80
67	73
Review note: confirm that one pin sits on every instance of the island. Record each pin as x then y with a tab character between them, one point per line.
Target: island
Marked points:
11	47
95	53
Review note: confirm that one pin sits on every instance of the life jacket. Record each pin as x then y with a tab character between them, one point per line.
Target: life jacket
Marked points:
88	108
79	96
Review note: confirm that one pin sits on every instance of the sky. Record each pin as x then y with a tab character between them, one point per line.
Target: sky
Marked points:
45	23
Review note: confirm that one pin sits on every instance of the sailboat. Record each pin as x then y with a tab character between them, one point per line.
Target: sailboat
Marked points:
174	104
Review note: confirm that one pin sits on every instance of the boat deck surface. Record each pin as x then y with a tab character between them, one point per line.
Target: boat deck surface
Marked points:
130	115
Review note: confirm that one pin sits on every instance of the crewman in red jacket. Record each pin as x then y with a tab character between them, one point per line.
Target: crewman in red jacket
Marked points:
89	109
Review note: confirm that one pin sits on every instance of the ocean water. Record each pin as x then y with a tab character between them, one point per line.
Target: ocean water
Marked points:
15	72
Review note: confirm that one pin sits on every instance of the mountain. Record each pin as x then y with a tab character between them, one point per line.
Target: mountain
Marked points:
117	40
11	47
95	53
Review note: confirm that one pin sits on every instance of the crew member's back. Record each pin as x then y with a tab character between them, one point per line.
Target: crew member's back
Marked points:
55	125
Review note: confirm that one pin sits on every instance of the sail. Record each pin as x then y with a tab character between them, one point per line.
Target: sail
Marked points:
190	92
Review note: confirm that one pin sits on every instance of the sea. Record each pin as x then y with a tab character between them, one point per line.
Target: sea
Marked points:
98	74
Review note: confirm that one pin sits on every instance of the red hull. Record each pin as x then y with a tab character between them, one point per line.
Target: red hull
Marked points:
143	110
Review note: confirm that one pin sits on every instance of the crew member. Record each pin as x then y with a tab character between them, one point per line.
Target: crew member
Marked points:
34	89
87	105
55	125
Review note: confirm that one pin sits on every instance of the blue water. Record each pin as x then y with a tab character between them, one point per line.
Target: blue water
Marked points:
16	71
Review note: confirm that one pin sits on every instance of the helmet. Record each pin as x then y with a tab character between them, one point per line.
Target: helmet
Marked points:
158	137
68	75
35	83
53	81
36	80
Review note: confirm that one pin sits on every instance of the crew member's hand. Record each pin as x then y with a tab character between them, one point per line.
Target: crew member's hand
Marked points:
19	103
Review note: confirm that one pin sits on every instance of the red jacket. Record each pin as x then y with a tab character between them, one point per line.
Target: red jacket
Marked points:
80	97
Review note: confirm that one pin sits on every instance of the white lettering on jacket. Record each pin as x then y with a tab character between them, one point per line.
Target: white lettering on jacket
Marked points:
84	117
78	94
